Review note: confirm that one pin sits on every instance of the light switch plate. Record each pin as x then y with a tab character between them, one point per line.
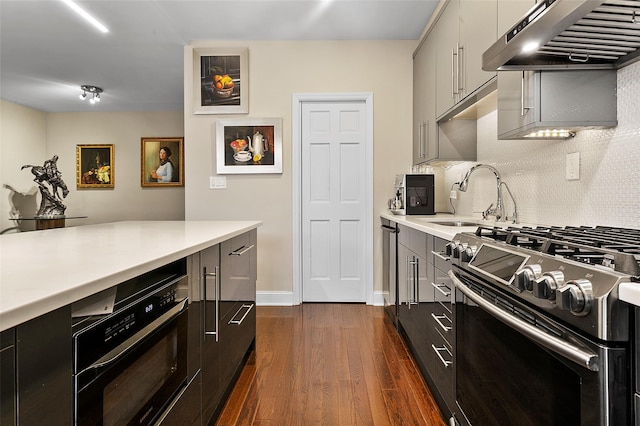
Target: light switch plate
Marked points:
573	166
217	182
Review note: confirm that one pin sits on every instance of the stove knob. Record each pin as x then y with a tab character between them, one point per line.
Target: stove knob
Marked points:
575	296
448	249
468	253
459	249
545	286
526	276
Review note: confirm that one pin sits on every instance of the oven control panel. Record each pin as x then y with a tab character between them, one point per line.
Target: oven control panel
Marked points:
580	294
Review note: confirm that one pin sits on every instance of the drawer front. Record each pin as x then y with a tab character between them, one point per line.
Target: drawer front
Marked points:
441	260
442	371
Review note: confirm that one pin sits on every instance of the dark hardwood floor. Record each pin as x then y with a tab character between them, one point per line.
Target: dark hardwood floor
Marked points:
329	364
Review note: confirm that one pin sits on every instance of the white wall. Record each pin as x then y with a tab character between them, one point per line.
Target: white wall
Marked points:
31	137
22	141
609	187
277	70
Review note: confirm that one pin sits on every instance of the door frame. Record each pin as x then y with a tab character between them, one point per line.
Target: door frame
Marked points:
296	159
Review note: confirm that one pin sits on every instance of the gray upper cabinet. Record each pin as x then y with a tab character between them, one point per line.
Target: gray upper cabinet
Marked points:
478	31
424	103
464	31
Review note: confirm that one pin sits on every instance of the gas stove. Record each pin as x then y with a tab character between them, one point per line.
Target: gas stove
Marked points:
570	274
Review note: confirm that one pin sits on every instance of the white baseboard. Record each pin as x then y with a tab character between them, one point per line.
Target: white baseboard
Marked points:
285	298
274	298
378	298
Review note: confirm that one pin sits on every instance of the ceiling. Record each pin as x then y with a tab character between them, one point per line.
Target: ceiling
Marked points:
47	51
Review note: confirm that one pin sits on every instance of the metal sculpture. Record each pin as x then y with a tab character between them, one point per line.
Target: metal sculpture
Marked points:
50	183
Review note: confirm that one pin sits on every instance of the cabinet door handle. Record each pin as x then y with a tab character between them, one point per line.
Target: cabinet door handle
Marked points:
425	140
213	275
523	109
420	140
242	250
439	288
233	319
454	53
438	319
460	68
441	256
442	349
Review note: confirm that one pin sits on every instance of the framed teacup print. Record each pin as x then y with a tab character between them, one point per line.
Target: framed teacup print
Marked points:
95	166
220	81
162	162
249	145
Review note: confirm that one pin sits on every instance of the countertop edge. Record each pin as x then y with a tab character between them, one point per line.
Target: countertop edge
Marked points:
13	313
630	293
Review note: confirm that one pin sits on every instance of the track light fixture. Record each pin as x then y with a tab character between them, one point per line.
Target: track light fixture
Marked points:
95	91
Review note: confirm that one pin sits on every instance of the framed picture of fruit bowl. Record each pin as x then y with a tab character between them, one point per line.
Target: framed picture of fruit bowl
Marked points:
248	145
221	81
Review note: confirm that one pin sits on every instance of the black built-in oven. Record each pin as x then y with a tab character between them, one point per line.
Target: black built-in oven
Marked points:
130	364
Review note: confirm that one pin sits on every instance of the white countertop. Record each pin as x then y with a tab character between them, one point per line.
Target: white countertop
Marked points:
427	223
45	270
630	293
627	292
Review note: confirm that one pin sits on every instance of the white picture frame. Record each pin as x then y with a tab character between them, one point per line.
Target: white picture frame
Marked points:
259	138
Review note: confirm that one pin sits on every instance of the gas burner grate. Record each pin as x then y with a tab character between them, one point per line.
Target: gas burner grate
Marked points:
610	247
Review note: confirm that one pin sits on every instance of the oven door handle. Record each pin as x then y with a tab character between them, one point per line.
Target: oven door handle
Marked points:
580	356
120	350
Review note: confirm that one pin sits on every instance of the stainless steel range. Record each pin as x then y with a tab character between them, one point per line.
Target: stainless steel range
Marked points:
541	337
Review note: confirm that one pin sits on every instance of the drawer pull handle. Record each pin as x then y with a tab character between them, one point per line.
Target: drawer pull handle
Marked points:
443	349
242	250
439	288
441	256
438	319
248	308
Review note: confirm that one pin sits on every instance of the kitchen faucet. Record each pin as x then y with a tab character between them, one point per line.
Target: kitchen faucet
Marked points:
498	210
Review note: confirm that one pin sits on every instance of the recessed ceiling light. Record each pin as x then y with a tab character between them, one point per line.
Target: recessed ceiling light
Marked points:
80	11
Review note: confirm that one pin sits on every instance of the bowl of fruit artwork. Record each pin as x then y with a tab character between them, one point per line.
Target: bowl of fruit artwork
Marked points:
238	145
222	85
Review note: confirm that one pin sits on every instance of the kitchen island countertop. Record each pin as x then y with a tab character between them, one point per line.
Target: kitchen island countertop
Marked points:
45	270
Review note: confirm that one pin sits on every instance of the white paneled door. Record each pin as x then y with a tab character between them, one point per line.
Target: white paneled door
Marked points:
333	136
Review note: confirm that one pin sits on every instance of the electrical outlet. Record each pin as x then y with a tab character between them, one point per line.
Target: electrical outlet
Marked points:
217	182
453	194
573	166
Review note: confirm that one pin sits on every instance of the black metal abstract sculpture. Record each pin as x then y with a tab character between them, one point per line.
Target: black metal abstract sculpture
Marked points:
49	180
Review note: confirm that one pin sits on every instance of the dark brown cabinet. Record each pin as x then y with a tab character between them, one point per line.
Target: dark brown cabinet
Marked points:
8	400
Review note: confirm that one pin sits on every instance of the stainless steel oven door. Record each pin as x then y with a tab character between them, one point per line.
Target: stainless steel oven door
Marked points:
514	366
133	383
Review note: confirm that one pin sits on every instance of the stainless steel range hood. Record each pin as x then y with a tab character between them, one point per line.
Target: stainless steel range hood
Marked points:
575	34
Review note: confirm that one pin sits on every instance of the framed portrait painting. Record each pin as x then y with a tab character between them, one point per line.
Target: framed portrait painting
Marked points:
221	81
162	162
95	166
249	146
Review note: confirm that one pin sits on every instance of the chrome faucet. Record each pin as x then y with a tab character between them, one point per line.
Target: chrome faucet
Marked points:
498	210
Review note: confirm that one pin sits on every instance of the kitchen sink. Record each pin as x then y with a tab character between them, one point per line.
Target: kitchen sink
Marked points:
456	223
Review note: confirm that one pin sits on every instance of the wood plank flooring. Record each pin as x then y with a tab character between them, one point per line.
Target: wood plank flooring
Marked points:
329	364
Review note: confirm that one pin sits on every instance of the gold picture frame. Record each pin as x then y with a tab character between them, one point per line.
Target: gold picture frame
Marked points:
95	166
162	162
